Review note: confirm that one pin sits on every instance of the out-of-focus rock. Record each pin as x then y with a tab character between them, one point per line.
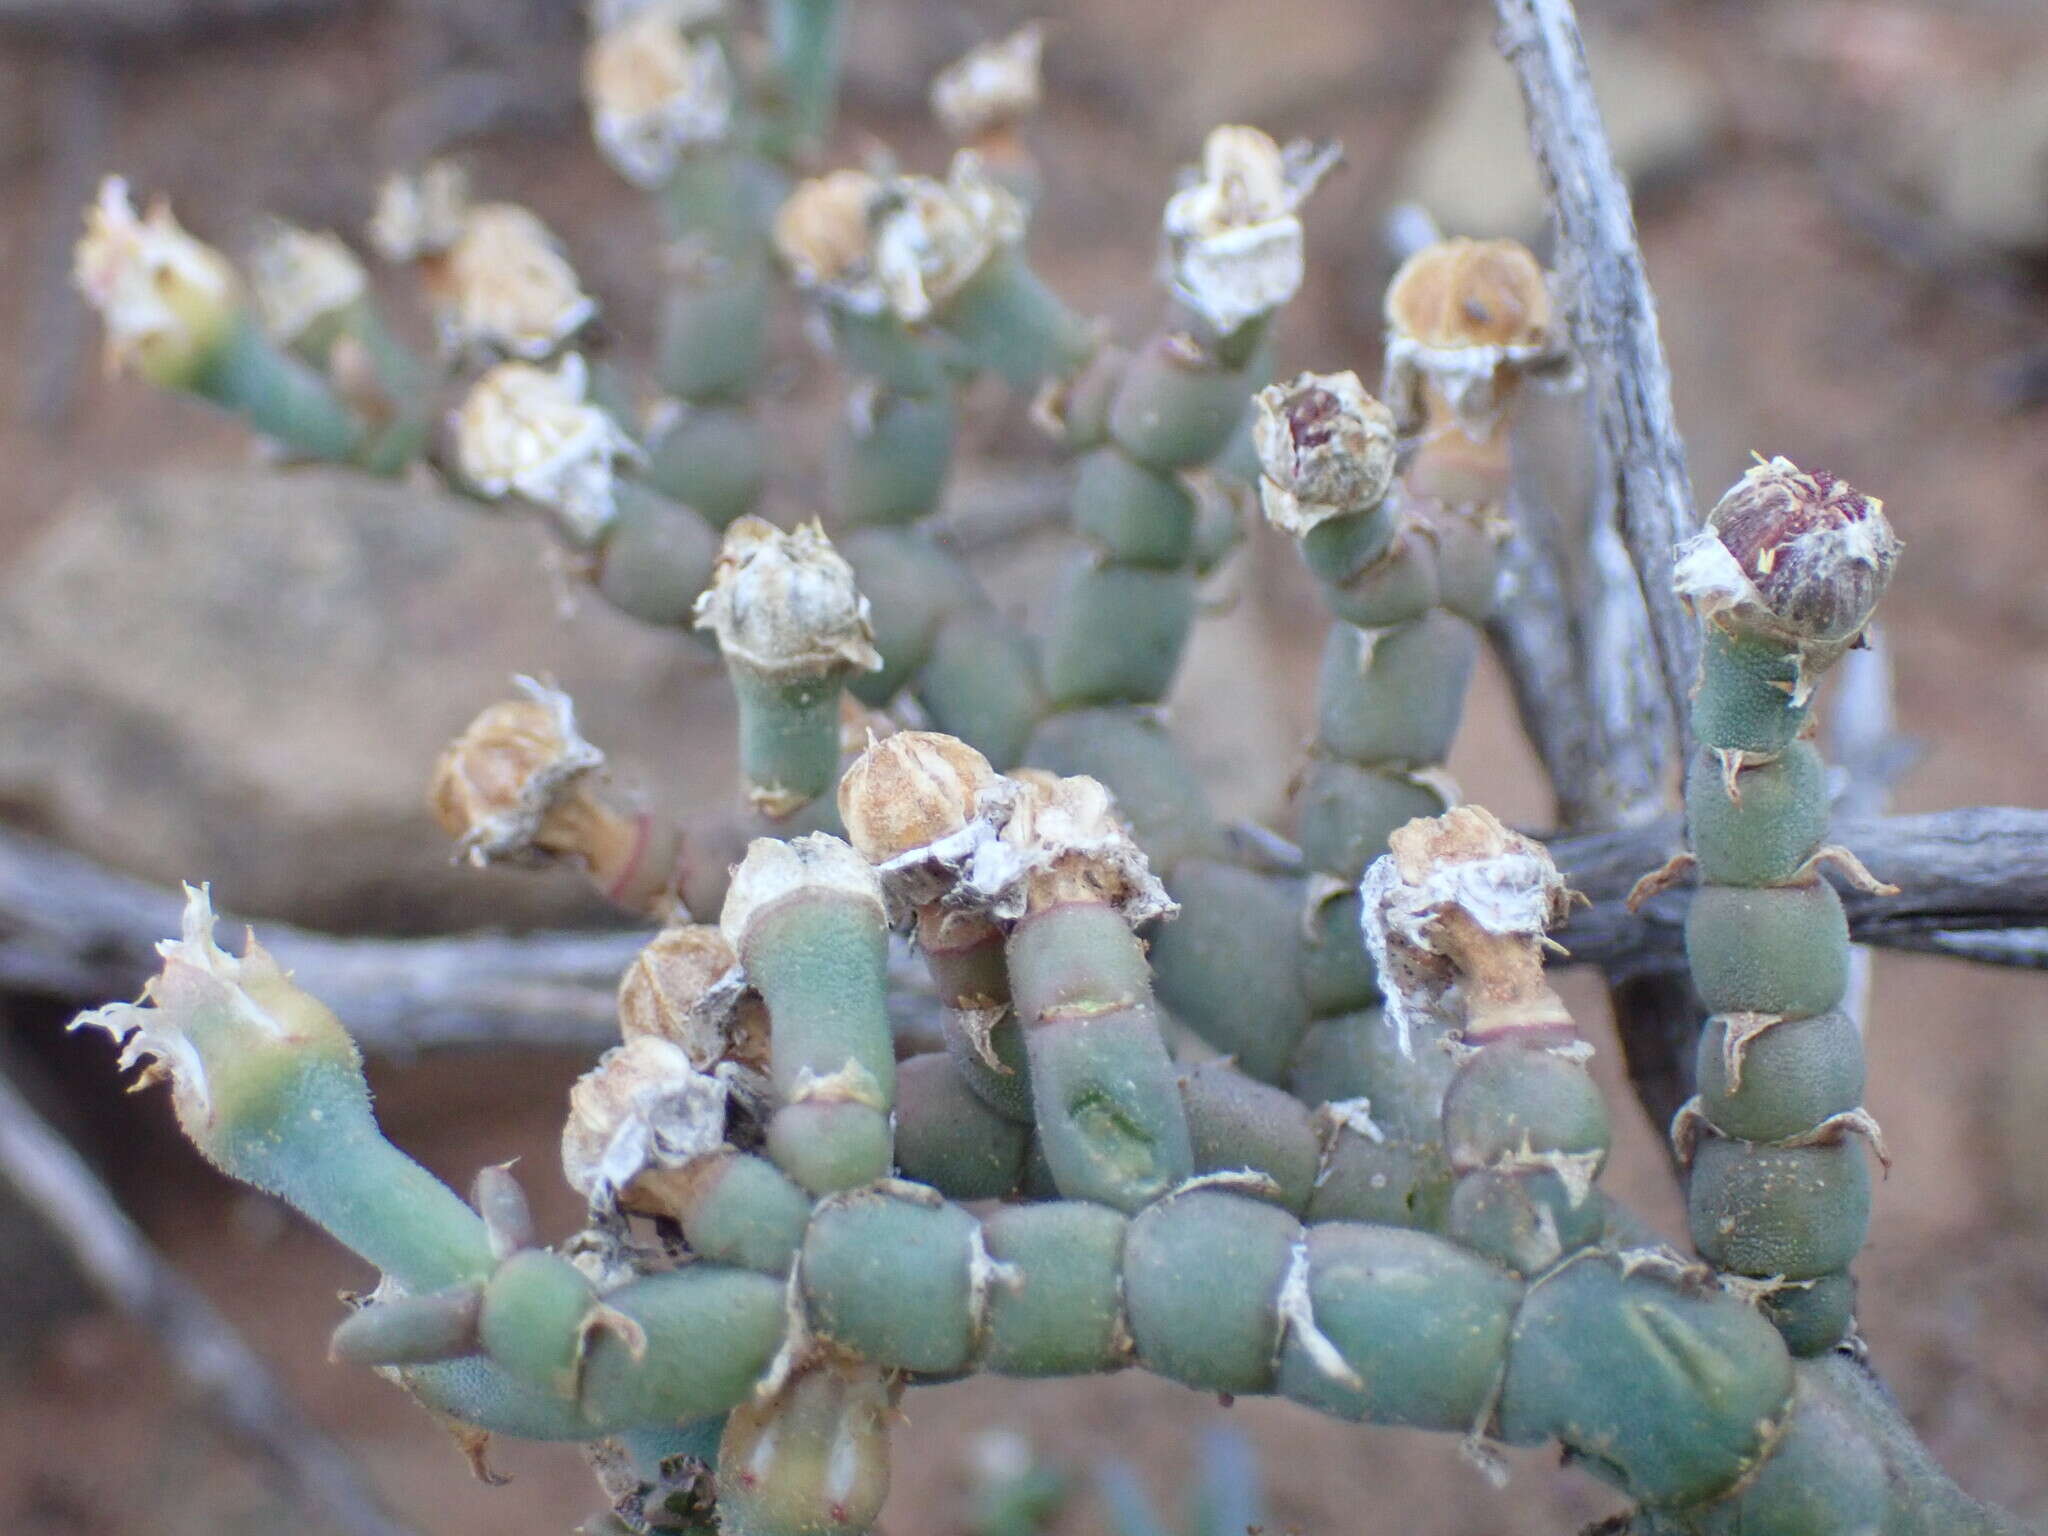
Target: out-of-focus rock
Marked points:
1988	179
246	678
1470	163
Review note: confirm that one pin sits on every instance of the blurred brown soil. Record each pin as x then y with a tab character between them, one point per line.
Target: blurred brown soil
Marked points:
1791	330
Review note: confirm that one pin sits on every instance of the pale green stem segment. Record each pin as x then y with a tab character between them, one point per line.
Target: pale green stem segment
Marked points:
1780	1184
820	961
806	39
279	395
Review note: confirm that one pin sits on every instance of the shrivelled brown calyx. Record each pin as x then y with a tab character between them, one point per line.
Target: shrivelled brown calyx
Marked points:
505	788
1470	318
909	790
684	987
1461	901
1792	556
785	604
824	233
1063	841
1326	449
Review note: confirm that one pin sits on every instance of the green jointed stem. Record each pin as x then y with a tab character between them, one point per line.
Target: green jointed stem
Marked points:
279	395
1104	1096
1788	571
806	39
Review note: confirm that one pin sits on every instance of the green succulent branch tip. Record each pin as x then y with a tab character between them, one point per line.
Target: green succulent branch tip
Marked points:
1784	577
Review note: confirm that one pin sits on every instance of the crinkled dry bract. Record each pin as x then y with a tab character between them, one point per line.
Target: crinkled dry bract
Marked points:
940	234
655	94
1233	234
165	298
209	1021
504	286
1326	449
992	86
785	604
1468	317
1457	893
1790	556
529	431
497	782
301	277
645	1106
824	233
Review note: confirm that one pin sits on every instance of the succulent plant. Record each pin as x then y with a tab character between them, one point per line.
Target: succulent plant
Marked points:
1325	1132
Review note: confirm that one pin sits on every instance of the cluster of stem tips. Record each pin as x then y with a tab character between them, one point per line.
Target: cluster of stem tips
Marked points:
1324	1130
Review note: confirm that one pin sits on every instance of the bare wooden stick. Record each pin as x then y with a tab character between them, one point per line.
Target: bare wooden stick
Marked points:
238	1389
1612	314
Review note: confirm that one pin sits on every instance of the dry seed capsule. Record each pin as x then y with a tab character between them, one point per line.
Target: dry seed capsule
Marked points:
1107	1106
983	99
949	1137
813	1460
1670	1393
807	921
902	799
1203	1275
176	314
1057	1309
1238	1123
897	1276
520	785
1421	1325
1459	906
792	627
642	1113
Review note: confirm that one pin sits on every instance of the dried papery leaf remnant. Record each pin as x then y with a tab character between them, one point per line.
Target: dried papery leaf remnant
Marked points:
1460	900
165	298
656	94
775	870
1326	449
1233	232
420	213
529	431
1794	558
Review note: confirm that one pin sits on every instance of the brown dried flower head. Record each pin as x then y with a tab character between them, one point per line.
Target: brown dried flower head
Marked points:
655	94
990	87
1469	317
824	233
1326	449
1461	900
1792	556
662	989
497	784
785	604
909	790
504	286
530	431
1067	843
936	236
420	214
